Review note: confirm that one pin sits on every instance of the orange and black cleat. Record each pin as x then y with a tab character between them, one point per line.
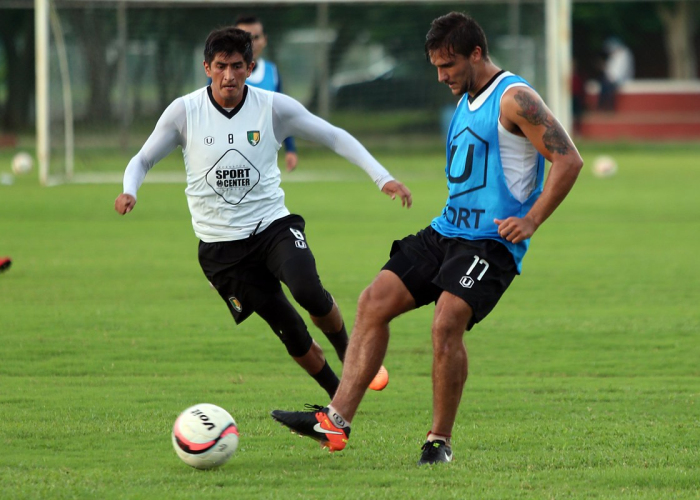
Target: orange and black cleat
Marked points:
316	425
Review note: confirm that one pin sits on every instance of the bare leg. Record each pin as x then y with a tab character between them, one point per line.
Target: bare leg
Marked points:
301	277
288	325
450	363
333	327
331	322
385	299
313	360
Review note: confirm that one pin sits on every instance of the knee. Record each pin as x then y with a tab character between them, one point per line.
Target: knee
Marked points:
288	325
447	334
315	299
366	301
307	290
295	337
372	306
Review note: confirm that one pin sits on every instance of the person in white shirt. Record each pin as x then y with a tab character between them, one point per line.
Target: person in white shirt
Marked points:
618	69
249	242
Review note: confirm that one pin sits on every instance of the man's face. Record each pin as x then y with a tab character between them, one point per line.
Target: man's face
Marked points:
228	75
454	70
258	36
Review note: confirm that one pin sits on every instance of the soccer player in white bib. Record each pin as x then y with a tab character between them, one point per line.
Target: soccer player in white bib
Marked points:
230	133
464	261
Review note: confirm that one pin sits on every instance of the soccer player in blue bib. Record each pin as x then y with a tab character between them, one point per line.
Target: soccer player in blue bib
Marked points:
499	137
265	76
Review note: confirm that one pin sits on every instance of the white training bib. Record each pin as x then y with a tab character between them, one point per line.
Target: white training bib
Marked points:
233	182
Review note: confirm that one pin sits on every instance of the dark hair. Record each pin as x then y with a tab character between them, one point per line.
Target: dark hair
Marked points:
458	33
246	19
228	40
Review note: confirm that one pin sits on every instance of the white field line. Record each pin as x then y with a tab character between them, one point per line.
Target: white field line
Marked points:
179	177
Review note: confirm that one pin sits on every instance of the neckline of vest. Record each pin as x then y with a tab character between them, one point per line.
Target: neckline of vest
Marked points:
234	111
488	84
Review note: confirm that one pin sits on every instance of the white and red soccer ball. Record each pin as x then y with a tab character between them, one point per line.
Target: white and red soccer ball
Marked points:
22	163
604	166
205	436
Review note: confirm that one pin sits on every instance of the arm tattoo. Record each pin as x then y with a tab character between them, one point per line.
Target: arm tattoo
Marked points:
555	139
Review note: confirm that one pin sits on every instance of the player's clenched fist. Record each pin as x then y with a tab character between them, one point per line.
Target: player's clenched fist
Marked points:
124	203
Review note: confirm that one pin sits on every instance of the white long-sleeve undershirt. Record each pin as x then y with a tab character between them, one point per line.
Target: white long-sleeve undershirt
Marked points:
289	118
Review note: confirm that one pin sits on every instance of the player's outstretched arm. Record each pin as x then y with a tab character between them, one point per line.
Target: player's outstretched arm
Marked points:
291	118
524	111
167	135
394	188
124	203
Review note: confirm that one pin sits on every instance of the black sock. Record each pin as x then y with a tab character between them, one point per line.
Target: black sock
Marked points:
339	341
327	379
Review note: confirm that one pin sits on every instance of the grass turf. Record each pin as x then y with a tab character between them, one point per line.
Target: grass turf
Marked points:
584	382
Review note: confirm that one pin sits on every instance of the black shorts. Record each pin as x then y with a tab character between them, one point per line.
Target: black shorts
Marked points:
247	272
478	271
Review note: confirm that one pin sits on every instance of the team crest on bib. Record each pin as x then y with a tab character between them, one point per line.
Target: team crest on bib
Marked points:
253	137
209	140
235	303
233	177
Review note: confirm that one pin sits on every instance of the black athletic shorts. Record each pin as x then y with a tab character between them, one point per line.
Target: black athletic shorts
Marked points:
478	271
247	272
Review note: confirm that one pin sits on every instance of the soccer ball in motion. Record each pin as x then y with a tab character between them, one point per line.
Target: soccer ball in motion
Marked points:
205	436
22	163
604	166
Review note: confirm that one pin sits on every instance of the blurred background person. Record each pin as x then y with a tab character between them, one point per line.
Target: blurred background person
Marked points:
618	68
265	75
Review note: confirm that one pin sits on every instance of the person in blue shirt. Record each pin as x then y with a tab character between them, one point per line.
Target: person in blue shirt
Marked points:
499	137
266	76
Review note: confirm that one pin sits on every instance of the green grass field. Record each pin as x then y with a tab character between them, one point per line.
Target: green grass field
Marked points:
584	382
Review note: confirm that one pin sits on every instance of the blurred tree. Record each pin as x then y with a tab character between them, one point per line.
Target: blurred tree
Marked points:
662	35
17	44
94	31
681	22
177	33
